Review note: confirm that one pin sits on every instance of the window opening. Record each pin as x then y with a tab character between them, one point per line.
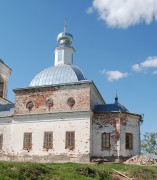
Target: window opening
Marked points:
106	140
70	140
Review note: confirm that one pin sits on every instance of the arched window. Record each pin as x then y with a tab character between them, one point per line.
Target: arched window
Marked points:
1	87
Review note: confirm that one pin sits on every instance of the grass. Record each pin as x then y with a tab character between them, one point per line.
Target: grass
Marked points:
70	171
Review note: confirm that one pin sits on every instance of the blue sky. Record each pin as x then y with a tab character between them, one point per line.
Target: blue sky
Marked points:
115	43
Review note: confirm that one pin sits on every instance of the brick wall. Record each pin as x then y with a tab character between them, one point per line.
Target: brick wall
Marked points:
52	99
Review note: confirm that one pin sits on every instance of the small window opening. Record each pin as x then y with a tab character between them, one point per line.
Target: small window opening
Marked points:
48	140
70	140
1	141
1	89
129	141
27	141
106	140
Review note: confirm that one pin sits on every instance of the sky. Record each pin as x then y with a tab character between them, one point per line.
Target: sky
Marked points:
115	43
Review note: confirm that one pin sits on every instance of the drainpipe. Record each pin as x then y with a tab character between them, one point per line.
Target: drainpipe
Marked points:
139	123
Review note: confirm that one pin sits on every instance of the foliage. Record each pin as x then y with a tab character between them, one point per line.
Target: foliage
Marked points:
149	143
70	171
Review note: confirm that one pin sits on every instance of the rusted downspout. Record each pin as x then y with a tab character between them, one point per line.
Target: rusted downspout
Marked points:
139	123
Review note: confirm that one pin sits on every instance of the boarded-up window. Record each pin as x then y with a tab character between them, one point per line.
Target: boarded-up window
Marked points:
48	140
1	141
27	144
105	140
70	140
129	141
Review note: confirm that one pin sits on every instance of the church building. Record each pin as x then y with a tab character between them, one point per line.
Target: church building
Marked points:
62	117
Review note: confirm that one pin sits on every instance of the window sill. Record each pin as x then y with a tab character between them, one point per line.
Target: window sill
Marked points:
70	148
27	149
47	148
105	149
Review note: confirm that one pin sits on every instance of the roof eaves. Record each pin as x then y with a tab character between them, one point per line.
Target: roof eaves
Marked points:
5	64
55	85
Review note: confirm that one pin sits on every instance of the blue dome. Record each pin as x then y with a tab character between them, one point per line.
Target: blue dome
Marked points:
57	75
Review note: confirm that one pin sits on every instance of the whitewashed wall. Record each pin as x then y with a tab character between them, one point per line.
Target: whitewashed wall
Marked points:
99	127
38	125
6	131
133	128
117	125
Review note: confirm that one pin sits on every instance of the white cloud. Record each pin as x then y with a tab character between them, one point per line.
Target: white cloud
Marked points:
125	13
89	10
114	75
136	68
150	62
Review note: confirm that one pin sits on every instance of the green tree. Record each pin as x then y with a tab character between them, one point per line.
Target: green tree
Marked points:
149	143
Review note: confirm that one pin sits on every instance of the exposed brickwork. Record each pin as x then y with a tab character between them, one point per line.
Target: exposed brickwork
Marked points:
4	75
59	95
117	124
109	122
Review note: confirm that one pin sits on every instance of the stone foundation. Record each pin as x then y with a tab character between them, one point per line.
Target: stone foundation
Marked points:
109	159
47	159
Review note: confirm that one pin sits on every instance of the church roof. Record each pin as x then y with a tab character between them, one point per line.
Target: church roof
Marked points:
116	107
58	74
4	63
6	110
110	108
1	61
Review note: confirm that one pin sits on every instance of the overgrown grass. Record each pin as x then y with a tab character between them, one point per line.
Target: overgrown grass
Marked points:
70	171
